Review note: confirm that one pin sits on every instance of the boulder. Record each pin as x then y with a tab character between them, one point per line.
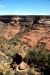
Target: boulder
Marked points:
23	66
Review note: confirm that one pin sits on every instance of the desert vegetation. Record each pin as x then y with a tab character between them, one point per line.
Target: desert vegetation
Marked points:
37	56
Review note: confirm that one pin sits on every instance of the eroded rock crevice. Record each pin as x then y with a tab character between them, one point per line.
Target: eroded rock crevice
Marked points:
17	58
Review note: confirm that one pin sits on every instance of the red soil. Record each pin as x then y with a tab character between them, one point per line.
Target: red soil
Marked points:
41	34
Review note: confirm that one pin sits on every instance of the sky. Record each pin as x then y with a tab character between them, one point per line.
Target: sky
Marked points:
24	7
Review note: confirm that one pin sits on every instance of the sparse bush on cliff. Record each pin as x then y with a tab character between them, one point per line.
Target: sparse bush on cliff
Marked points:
37	56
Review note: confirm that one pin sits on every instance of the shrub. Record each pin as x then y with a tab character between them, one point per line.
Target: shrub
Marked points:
49	60
37	56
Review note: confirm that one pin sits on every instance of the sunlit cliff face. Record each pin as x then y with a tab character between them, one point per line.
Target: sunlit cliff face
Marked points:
38	29
9	26
39	35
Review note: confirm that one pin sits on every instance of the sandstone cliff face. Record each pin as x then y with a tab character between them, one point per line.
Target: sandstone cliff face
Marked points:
37	27
37	36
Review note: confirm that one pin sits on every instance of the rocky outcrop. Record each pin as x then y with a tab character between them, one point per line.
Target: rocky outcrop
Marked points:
23	66
25	20
4	62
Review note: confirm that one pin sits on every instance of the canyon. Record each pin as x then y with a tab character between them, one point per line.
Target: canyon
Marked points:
17	35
